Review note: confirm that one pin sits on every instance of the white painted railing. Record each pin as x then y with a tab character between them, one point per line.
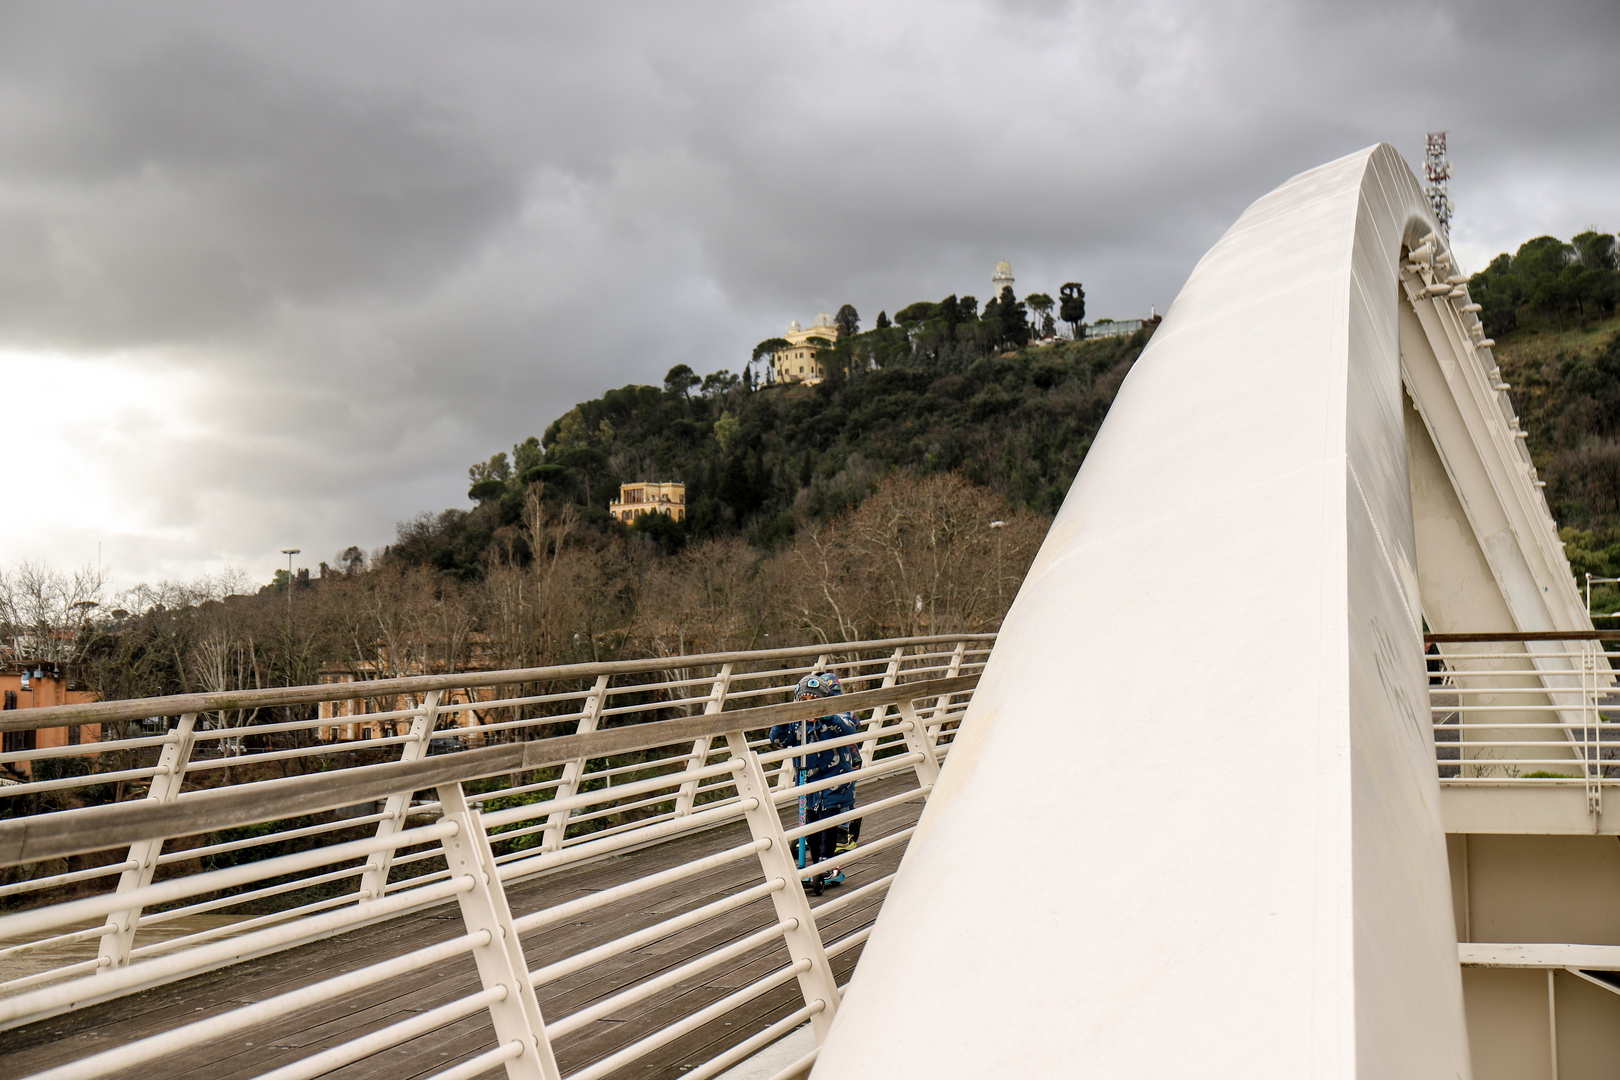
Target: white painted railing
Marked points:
595	767
1530	709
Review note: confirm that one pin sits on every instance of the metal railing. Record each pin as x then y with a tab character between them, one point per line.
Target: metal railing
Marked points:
293	837
1529	708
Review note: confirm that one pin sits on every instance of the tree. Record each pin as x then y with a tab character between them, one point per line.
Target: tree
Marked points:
1597	250
489	478
918	556
527	454
1013	320
584	462
353	560
726	430
883	320
45	614
1072	307
566	432
766	349
987	331
921	311
848	321
680	380
1498	291
823	350
717	383
1041	305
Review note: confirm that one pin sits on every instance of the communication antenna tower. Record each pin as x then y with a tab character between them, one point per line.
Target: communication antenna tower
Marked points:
1437	169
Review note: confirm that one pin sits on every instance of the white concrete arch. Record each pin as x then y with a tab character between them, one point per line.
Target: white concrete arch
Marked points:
1191	826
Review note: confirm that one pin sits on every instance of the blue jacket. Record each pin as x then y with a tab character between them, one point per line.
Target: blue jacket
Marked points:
822	764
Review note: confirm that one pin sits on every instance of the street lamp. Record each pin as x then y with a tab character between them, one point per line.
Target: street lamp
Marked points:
289	552
997	526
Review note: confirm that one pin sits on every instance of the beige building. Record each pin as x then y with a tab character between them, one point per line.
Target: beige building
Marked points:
355	718
798	363
649	498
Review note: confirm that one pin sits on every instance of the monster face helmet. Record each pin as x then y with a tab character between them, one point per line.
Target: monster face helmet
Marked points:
818	685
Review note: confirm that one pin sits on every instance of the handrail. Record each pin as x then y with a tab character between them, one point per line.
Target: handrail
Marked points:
175	705
1503	715
96	828
1524	635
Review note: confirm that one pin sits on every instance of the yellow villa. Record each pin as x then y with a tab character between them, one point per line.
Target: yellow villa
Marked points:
798	362
649	498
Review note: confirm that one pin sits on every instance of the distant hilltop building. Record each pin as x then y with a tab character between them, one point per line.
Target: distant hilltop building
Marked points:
1001	279
1107	328
797	362
649	498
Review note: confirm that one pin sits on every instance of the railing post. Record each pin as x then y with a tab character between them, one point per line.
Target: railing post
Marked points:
700	747
164	788
374	882
816	980
500	958
557	823
952	670
891	675
1592	733
919	741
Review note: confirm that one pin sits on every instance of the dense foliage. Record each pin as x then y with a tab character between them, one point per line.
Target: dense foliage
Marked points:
1566	284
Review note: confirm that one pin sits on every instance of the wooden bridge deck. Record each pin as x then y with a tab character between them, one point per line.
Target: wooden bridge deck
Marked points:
248	1053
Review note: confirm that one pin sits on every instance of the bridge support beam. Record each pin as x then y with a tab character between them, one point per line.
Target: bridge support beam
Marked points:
815	974
118	937
557	823
686	800
501	967
1190	823
374	882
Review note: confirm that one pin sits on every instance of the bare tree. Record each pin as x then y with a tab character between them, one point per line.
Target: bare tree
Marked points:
918	557
45	614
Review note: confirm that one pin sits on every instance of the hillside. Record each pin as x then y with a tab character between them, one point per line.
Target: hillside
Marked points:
761	461
859	508
1566	388
1551	308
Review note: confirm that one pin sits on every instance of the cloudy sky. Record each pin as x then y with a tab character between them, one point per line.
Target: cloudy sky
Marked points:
273	275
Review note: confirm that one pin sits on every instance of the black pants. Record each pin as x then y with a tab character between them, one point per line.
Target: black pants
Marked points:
820	844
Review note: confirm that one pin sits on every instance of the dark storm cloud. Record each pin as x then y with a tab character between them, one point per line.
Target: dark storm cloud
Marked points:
361	245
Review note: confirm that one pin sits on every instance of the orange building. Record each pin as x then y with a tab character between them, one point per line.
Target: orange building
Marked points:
34	685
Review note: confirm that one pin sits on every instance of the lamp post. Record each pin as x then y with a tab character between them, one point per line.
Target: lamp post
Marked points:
289	552
996	527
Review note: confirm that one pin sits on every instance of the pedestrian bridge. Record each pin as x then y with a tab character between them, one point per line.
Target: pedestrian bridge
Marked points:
619	897
1205	806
